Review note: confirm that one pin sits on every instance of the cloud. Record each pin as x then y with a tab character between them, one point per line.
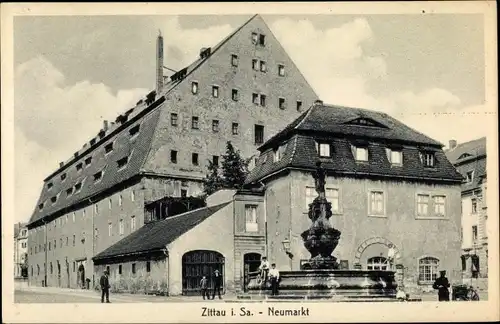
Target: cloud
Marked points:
51	118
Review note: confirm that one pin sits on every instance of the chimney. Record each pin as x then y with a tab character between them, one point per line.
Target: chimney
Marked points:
105	125
205	52
61	164
318	102
453	144
159	63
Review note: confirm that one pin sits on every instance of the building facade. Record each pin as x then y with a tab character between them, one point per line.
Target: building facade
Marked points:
470	160
242	90
20	250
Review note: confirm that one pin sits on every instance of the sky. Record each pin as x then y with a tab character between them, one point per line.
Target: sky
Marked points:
72	72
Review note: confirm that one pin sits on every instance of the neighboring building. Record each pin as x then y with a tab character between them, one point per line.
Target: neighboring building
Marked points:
470	160
243	90
387	184
20	250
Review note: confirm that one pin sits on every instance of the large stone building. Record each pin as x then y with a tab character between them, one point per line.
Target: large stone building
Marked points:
242	90
387	183
20	250
470	160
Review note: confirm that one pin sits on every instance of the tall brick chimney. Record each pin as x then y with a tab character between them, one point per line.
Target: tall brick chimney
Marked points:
159	63
452	144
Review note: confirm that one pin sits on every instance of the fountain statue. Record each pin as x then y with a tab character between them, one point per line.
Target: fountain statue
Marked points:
320	276
321	238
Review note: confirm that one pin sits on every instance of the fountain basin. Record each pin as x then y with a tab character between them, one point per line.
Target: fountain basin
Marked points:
330	284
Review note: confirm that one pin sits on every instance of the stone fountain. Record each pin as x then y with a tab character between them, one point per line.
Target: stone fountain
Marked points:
320	276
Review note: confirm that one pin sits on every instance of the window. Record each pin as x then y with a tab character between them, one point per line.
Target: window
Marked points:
427	159
263	100
110	229
53	199
51	268
55	244
120	200
88	160
255	98
78	187
299	105
262	40
262	66
234	60
259	134
235	128
474	232
60	242
439	205
121	227
194	87
69	191
251	224
79	167
324	149
469	176
67	241
376	263
427	270
173	119
194	122
183	193
134	130
96	208
396	157
108	148
277	154
281	70
474	205
255	38
422	205
132	223
110	203
194	158
74	239
215	126
132	195
310	195
133	268
148	266
361	153
122	163
83	214
41	205
63	176
255	65
173	156
215	91
120	269
376	203
215	160
98	176
332	195
281	103
234	95
49	185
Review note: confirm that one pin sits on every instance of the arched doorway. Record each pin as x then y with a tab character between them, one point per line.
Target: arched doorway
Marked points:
199	263
251	263
375	247
81	276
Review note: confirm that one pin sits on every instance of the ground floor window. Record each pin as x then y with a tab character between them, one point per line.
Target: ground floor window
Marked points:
199	263
427	269
376	263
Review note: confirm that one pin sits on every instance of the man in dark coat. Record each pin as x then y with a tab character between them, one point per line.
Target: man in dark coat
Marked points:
217	278
442	284
104	282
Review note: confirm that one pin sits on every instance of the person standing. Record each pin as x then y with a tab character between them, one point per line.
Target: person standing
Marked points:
274	276
264	269
104	282
442	284
217	279
204	287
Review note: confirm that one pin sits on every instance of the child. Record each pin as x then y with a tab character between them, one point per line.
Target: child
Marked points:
204	287
264	269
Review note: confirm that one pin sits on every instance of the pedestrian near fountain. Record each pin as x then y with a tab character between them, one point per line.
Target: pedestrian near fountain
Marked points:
204	287
264	269
104	283
390	255
442	284
274	275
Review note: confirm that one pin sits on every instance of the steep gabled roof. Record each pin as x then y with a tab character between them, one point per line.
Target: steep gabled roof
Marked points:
137	150
339	120
156	235
467	151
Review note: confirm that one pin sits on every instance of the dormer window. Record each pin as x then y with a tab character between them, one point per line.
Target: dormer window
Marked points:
395	157
79	167
98	176
277	155
262	66
323	149
234	60
427	159
361	153
78	187
463	156
88	161
108	148
53	199
194	87
50	185
69	191
215	91
469	176
63	176
122	163
40	206
134	130
281	70
255	38
281	103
